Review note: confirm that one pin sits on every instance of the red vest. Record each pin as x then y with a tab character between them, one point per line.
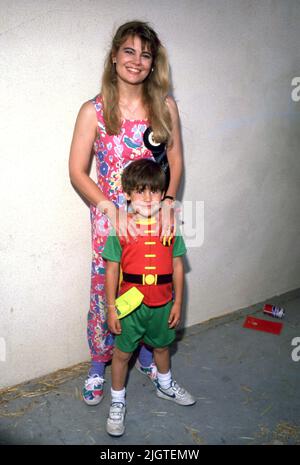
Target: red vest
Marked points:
148	257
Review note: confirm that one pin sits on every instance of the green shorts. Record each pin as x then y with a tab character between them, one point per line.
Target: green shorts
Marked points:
147	324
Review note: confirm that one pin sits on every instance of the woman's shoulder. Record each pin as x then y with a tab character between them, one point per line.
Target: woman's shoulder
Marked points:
91	108
172	105
92	103
170	100
87	112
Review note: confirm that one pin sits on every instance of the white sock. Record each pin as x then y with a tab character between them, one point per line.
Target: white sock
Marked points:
164	379
118	396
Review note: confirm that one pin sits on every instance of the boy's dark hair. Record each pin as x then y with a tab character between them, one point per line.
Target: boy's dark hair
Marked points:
142	174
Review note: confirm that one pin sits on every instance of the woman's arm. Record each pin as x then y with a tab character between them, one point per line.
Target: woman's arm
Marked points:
175	160
80	157
79	161
174	151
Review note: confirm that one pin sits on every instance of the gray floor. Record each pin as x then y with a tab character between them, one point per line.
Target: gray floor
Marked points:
245	382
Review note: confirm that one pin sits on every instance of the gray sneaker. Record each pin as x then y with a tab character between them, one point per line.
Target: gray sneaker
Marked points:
115	425
175	393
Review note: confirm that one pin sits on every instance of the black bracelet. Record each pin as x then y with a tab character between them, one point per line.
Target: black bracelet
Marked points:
168	197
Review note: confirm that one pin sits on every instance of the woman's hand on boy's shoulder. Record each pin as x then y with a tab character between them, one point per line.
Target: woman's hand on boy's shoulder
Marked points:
167	218
125	226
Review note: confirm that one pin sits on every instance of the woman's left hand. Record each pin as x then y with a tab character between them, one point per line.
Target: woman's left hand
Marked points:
168	228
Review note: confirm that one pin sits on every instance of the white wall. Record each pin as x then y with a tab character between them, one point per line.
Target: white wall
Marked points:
232	65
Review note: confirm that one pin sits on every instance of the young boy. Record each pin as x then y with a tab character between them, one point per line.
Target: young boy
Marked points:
153	267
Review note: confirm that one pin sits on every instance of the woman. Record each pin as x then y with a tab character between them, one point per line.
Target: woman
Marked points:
134	95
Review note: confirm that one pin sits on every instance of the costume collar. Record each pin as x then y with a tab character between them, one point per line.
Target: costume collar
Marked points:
146	221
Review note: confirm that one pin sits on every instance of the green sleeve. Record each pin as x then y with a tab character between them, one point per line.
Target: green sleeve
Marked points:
179	247
112	250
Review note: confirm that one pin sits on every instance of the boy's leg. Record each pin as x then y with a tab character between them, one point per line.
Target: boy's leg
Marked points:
160	336
162	359
115	423
119	368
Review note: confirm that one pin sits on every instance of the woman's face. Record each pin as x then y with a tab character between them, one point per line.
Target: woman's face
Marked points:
133	63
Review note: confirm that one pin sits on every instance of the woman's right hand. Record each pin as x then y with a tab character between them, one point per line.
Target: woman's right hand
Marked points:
123	223
126	226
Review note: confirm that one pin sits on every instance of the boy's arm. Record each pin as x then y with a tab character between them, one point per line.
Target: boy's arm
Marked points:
111	286
178	281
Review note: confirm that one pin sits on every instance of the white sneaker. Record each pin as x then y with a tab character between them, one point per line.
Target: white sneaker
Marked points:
115	425
175	393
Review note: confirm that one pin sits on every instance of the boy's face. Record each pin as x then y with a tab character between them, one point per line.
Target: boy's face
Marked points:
146	203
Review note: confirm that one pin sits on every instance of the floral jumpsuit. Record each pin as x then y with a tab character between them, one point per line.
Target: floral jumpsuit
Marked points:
112	154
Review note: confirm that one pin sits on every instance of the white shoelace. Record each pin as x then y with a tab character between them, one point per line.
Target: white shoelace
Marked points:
94	381
177	388
115	412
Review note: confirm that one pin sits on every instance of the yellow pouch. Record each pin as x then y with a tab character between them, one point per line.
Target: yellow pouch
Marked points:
128	302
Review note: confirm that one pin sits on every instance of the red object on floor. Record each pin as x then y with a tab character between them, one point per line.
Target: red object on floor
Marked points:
262	325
